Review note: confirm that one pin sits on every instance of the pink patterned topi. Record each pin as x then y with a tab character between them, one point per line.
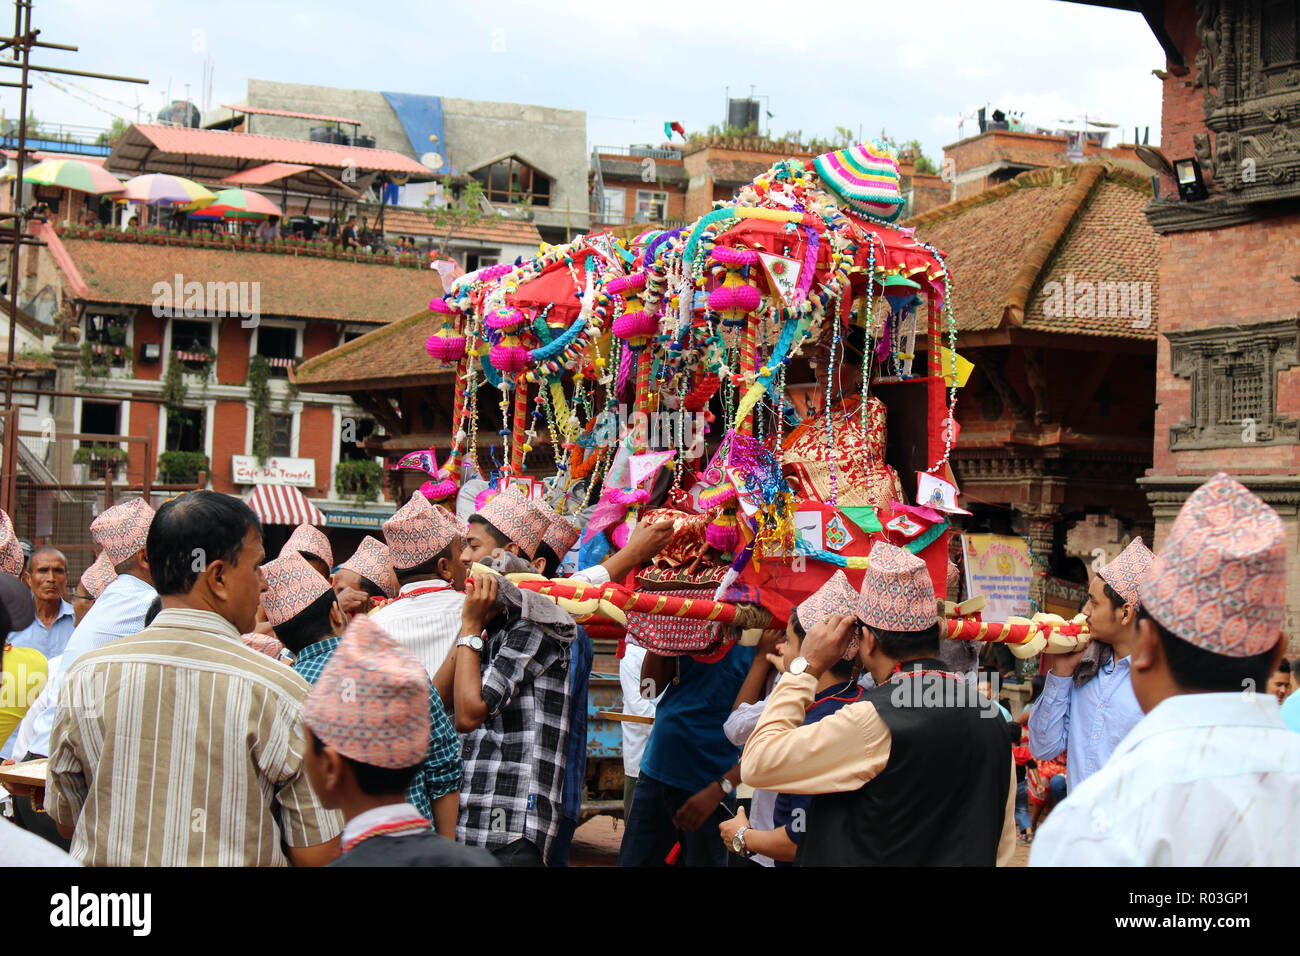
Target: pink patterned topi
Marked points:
122	529
897	593
98	576
417	531
11	552
1219	583
311	542
836	596
374	562
1126	572
513	515
292	586
371	703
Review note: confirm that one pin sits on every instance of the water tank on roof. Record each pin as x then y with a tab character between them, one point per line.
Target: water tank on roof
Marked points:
179	113
365	142
327	134
742	114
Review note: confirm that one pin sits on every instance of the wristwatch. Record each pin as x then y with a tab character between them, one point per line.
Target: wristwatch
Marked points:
473	642
738	842
798	665
728	788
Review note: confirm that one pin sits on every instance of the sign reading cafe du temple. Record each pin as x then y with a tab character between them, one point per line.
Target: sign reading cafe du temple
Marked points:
276	471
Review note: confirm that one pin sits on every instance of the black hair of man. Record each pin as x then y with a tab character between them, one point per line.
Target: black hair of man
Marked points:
155	607
1113	596
500	537
1284	666
842	669
374	781
193	530
309	625
1194	669
547	554
370	587
423	569
905	645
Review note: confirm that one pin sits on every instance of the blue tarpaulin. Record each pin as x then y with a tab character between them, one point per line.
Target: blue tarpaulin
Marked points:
421	117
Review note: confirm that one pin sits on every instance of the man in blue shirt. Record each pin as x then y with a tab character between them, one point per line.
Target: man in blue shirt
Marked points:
690	768
1088	701
47	576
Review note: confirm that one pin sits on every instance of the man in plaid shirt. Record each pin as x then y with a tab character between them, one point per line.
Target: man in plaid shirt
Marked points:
508	677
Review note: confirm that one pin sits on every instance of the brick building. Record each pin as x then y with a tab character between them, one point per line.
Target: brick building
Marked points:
631	185
1228	373
146	305
996	156
1056	309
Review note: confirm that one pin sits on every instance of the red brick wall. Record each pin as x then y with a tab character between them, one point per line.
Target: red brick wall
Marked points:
1225	277
316	439
148	328
232	345
319	337
144	416
1182	114
229	426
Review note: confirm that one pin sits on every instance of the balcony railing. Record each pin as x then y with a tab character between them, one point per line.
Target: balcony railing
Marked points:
637	151
617	219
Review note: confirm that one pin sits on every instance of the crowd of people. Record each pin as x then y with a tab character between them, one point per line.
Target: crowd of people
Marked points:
199	704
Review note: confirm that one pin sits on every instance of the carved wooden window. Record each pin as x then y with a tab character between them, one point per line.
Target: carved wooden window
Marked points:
1233	373
1249	68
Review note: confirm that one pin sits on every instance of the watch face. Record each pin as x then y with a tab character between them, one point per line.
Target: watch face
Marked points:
736	844
798	665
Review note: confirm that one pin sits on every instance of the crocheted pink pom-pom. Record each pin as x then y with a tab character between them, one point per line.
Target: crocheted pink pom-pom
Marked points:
744	298
505	319
445	348
620	535
509	359
636	324
439	305
436	491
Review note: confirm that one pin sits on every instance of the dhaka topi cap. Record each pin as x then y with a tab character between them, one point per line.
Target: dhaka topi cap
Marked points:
311	542
122	529
371	703
897	593
1126	572
98	576
374	562
511	513
418	531
292	586
836	596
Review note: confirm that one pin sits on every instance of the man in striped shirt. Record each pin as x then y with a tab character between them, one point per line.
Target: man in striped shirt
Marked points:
425	546
179	745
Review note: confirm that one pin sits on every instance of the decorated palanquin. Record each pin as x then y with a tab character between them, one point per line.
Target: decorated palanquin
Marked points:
778	377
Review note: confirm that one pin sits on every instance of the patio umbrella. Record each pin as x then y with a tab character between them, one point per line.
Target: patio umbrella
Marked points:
73	174
239	204
155	189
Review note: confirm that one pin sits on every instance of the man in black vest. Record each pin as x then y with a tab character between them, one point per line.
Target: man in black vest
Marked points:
919	772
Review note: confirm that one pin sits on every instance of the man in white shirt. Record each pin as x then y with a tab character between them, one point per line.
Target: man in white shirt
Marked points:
425	616
1210	776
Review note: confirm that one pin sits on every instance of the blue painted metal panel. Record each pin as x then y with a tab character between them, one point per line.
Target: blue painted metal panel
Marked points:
604	737
57	146
421	117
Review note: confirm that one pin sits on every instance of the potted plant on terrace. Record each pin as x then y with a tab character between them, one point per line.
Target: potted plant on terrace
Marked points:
181	467
358	479
104	460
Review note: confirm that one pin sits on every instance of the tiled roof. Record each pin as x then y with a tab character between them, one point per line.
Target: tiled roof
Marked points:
163	147
388	357
293	286
415	222
1066	224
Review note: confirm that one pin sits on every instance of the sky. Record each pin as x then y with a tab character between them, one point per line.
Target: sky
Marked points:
869	66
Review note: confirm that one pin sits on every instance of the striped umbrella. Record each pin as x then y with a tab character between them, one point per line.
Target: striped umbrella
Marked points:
154	189
73	174
239	204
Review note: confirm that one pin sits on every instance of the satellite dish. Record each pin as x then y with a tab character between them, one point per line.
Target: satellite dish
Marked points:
1154	158
432	161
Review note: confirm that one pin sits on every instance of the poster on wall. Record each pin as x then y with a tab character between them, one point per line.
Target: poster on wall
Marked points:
998	568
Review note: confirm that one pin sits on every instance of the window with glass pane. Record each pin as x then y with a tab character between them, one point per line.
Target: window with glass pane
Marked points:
279	346
192	343
651	206
282	435
107	337
185	429
512	181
